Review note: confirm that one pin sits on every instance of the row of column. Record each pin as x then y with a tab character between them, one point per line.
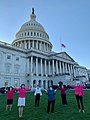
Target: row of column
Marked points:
53	67
35	44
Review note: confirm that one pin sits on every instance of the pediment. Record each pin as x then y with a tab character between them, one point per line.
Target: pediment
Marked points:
65	56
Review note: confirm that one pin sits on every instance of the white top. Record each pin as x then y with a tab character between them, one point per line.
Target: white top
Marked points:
38	91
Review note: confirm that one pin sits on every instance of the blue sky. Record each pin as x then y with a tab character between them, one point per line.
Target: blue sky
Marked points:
65	20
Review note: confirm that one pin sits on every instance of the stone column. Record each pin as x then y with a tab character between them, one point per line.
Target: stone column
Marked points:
44	47
31	64
37	45
53	67
25	45
69	68
56	67
29	43
75	71
45	68
20	43
40	45
41	68
66	68
63	67
49	68
36	65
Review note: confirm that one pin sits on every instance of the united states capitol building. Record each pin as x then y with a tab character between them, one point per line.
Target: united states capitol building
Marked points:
29	59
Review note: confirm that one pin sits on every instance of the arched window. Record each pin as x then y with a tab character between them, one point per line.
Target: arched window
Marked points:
25	33
28	33
31	33
34	83
34	33
39	82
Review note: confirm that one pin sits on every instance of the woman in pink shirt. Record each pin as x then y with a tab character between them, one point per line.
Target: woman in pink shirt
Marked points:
10	96
21	99
79	93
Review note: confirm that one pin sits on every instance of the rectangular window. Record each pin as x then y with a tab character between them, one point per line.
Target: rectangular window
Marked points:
8	57
16	69
17	58
8	69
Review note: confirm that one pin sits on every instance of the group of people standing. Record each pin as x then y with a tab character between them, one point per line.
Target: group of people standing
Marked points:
79	93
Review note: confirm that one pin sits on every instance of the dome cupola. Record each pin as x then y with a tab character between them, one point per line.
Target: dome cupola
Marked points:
32	34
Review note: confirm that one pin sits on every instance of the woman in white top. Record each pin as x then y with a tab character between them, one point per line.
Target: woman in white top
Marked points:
37	94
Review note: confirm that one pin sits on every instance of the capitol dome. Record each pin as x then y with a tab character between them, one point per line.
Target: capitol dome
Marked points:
32	34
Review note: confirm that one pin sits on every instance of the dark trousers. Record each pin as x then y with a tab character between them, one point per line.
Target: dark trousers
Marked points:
37	99
79	100
50	104
64	101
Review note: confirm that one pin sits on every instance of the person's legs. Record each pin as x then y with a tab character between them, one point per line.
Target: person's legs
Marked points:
81	100
10	107
6	107
65	100
48	107
77	98
38	99
53	103
21	111
35	100
62	99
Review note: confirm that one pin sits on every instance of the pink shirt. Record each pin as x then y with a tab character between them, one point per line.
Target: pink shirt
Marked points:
10	94
22	91
79	90
63	90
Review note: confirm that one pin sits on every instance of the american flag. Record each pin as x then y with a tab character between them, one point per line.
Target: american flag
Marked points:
63	45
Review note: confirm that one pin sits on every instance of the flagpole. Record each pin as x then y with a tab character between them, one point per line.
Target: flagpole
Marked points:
61	44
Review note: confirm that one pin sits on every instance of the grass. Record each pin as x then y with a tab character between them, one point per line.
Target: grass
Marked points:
69	112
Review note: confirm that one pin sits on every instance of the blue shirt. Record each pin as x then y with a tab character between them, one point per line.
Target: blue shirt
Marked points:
51	95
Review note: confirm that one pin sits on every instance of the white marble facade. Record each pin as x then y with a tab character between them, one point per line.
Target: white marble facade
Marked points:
30	60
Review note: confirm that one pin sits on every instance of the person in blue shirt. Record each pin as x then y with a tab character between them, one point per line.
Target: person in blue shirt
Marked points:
51	99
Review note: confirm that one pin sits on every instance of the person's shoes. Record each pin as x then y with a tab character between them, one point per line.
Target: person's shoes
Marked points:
79	110
83	111
19	116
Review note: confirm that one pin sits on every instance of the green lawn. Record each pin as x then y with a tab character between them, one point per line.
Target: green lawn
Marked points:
69	112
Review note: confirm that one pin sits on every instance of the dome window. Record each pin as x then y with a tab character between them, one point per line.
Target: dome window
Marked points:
34	33
31	24
31	33
37	34
8	57
22	34
40	34
25	33
28	33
